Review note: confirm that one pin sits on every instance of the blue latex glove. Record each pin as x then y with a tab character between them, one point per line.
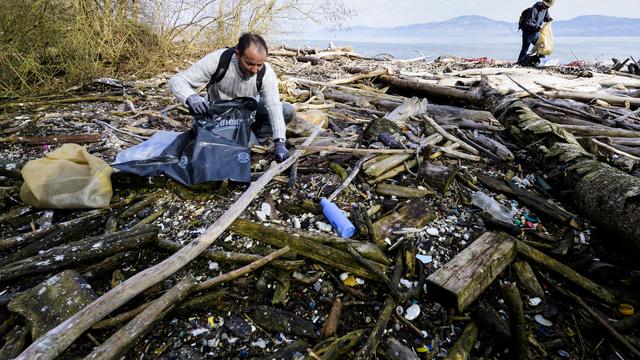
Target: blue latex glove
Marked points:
198	104
280	152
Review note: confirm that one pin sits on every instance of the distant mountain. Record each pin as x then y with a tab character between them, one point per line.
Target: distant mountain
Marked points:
478	26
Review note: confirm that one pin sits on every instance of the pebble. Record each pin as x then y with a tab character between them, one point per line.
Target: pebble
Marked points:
535	301
433	231
425	259
322	226
542	320
412	312
261	343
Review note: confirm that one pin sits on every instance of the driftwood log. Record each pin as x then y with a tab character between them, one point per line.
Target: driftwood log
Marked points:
80	251
56	340
603	194
312	246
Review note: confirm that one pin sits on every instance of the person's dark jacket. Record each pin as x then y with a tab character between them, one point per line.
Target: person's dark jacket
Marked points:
537	16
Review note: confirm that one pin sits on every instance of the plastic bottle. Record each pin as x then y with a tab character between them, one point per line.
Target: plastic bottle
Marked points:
492	207
337	218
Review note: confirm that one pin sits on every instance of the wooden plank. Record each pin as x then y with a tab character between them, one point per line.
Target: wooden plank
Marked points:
460	281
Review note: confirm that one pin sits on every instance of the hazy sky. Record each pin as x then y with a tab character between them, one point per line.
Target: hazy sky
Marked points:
403	12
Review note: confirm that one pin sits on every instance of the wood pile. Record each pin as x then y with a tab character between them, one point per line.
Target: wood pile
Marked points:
496	209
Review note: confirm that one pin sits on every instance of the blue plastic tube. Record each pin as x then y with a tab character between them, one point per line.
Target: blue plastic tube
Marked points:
337	219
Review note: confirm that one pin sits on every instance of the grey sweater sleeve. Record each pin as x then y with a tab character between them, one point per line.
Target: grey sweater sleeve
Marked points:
271	96
185	83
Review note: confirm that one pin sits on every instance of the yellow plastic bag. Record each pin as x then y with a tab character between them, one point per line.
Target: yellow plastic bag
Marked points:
67	178
544	46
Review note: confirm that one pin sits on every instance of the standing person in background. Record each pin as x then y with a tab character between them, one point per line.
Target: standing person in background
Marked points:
240	71
531	21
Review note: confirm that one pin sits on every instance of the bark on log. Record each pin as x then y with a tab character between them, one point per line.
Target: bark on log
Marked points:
80	251
56	340
460	281
602	193
302	244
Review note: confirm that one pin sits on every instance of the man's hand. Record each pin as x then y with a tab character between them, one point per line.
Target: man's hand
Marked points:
198	104
280	152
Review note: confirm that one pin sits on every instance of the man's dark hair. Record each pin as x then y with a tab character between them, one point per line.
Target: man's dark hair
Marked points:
248	39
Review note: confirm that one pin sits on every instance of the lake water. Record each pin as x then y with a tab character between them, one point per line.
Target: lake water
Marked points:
592	49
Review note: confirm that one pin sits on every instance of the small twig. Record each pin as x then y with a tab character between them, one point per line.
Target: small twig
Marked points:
349	179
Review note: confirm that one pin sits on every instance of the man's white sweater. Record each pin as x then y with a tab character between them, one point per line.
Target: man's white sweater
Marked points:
234	84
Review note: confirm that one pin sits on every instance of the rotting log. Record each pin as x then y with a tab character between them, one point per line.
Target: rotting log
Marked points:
461	349
519	343
60	234
63	227
602	194
460	281
424	87
489	318
367	250
56	340
61	295
415	214
527	279
279	236
533	201
277	320
566	272
437	176
80	251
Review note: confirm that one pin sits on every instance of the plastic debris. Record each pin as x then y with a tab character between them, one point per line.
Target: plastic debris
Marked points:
535	301
542	320
412	312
